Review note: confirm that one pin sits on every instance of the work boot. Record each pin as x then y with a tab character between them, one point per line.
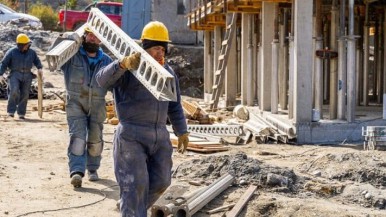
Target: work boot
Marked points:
21	117
93	176
76	180
11	115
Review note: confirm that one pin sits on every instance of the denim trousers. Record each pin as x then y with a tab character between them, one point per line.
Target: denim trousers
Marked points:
85	123
19	85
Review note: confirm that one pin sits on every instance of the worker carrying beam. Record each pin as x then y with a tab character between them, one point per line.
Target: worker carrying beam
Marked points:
142	147
85	106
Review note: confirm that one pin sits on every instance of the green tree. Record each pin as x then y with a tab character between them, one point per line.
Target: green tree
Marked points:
72	4
46	14
14	4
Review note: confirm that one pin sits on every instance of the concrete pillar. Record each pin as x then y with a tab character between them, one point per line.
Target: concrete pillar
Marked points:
342	78
333	63
318	62
351	66
319	78
359	60
291	77
208	68
342	63
366	58
268	15
303	61
326	63
245	34
275	77
283	60
380	63
251	57
231	74
255	37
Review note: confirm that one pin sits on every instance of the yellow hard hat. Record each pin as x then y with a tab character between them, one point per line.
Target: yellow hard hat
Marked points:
155	31
22	39
88	30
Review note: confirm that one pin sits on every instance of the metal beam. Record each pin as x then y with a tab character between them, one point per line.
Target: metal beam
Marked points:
150	73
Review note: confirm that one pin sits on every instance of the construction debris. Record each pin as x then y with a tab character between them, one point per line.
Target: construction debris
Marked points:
196	115
242	202
199	144
189	205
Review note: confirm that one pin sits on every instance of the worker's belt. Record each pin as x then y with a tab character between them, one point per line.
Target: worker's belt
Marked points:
21	70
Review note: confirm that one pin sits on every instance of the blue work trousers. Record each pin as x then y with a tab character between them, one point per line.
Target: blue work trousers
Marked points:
142	166
85	123
19	85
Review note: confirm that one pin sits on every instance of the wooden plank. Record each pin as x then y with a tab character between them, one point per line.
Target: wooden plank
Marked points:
242	202
40	95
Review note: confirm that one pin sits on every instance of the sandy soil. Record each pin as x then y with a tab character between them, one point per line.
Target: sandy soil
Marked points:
321	180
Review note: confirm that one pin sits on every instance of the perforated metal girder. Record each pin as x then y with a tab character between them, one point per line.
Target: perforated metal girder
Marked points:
150	73
62	52
218	130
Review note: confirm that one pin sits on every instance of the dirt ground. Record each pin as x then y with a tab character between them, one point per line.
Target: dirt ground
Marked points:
313	180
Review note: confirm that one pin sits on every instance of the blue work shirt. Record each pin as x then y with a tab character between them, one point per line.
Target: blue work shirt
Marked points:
17	61
136	105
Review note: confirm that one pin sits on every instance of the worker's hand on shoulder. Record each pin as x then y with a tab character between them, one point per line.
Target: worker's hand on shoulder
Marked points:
2	79
131	62
183	141
73	36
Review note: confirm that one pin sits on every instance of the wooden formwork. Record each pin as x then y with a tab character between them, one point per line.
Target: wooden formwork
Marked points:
213	12
206	16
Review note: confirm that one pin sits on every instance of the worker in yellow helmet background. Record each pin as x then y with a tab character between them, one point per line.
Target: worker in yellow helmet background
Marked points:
19	60
142	147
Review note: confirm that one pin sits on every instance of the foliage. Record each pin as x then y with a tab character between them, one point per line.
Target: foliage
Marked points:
46	14
71	4
14	4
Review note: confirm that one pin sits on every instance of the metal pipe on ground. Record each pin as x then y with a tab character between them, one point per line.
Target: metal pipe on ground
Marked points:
187	205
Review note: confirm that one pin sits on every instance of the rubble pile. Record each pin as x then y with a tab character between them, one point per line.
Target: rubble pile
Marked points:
246	170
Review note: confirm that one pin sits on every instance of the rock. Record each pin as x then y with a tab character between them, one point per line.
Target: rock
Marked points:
276	180
368	196
317	173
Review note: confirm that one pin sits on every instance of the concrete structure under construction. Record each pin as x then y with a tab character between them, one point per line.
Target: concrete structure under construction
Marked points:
313	67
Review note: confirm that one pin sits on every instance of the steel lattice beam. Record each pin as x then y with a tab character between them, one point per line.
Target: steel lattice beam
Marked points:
150	73
62	52
218	130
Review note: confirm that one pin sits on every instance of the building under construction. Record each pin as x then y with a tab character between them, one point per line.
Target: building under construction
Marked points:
313	67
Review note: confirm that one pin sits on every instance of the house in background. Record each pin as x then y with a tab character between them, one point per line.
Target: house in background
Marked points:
137	13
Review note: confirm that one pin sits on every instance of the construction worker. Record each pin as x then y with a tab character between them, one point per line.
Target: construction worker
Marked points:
85	107
20	61
142	147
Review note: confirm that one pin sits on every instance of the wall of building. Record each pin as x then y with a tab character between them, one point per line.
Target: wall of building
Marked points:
173	14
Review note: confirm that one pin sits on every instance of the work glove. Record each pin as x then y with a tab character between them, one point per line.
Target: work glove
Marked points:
73	36
2	80
183	142
40	72
131	62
